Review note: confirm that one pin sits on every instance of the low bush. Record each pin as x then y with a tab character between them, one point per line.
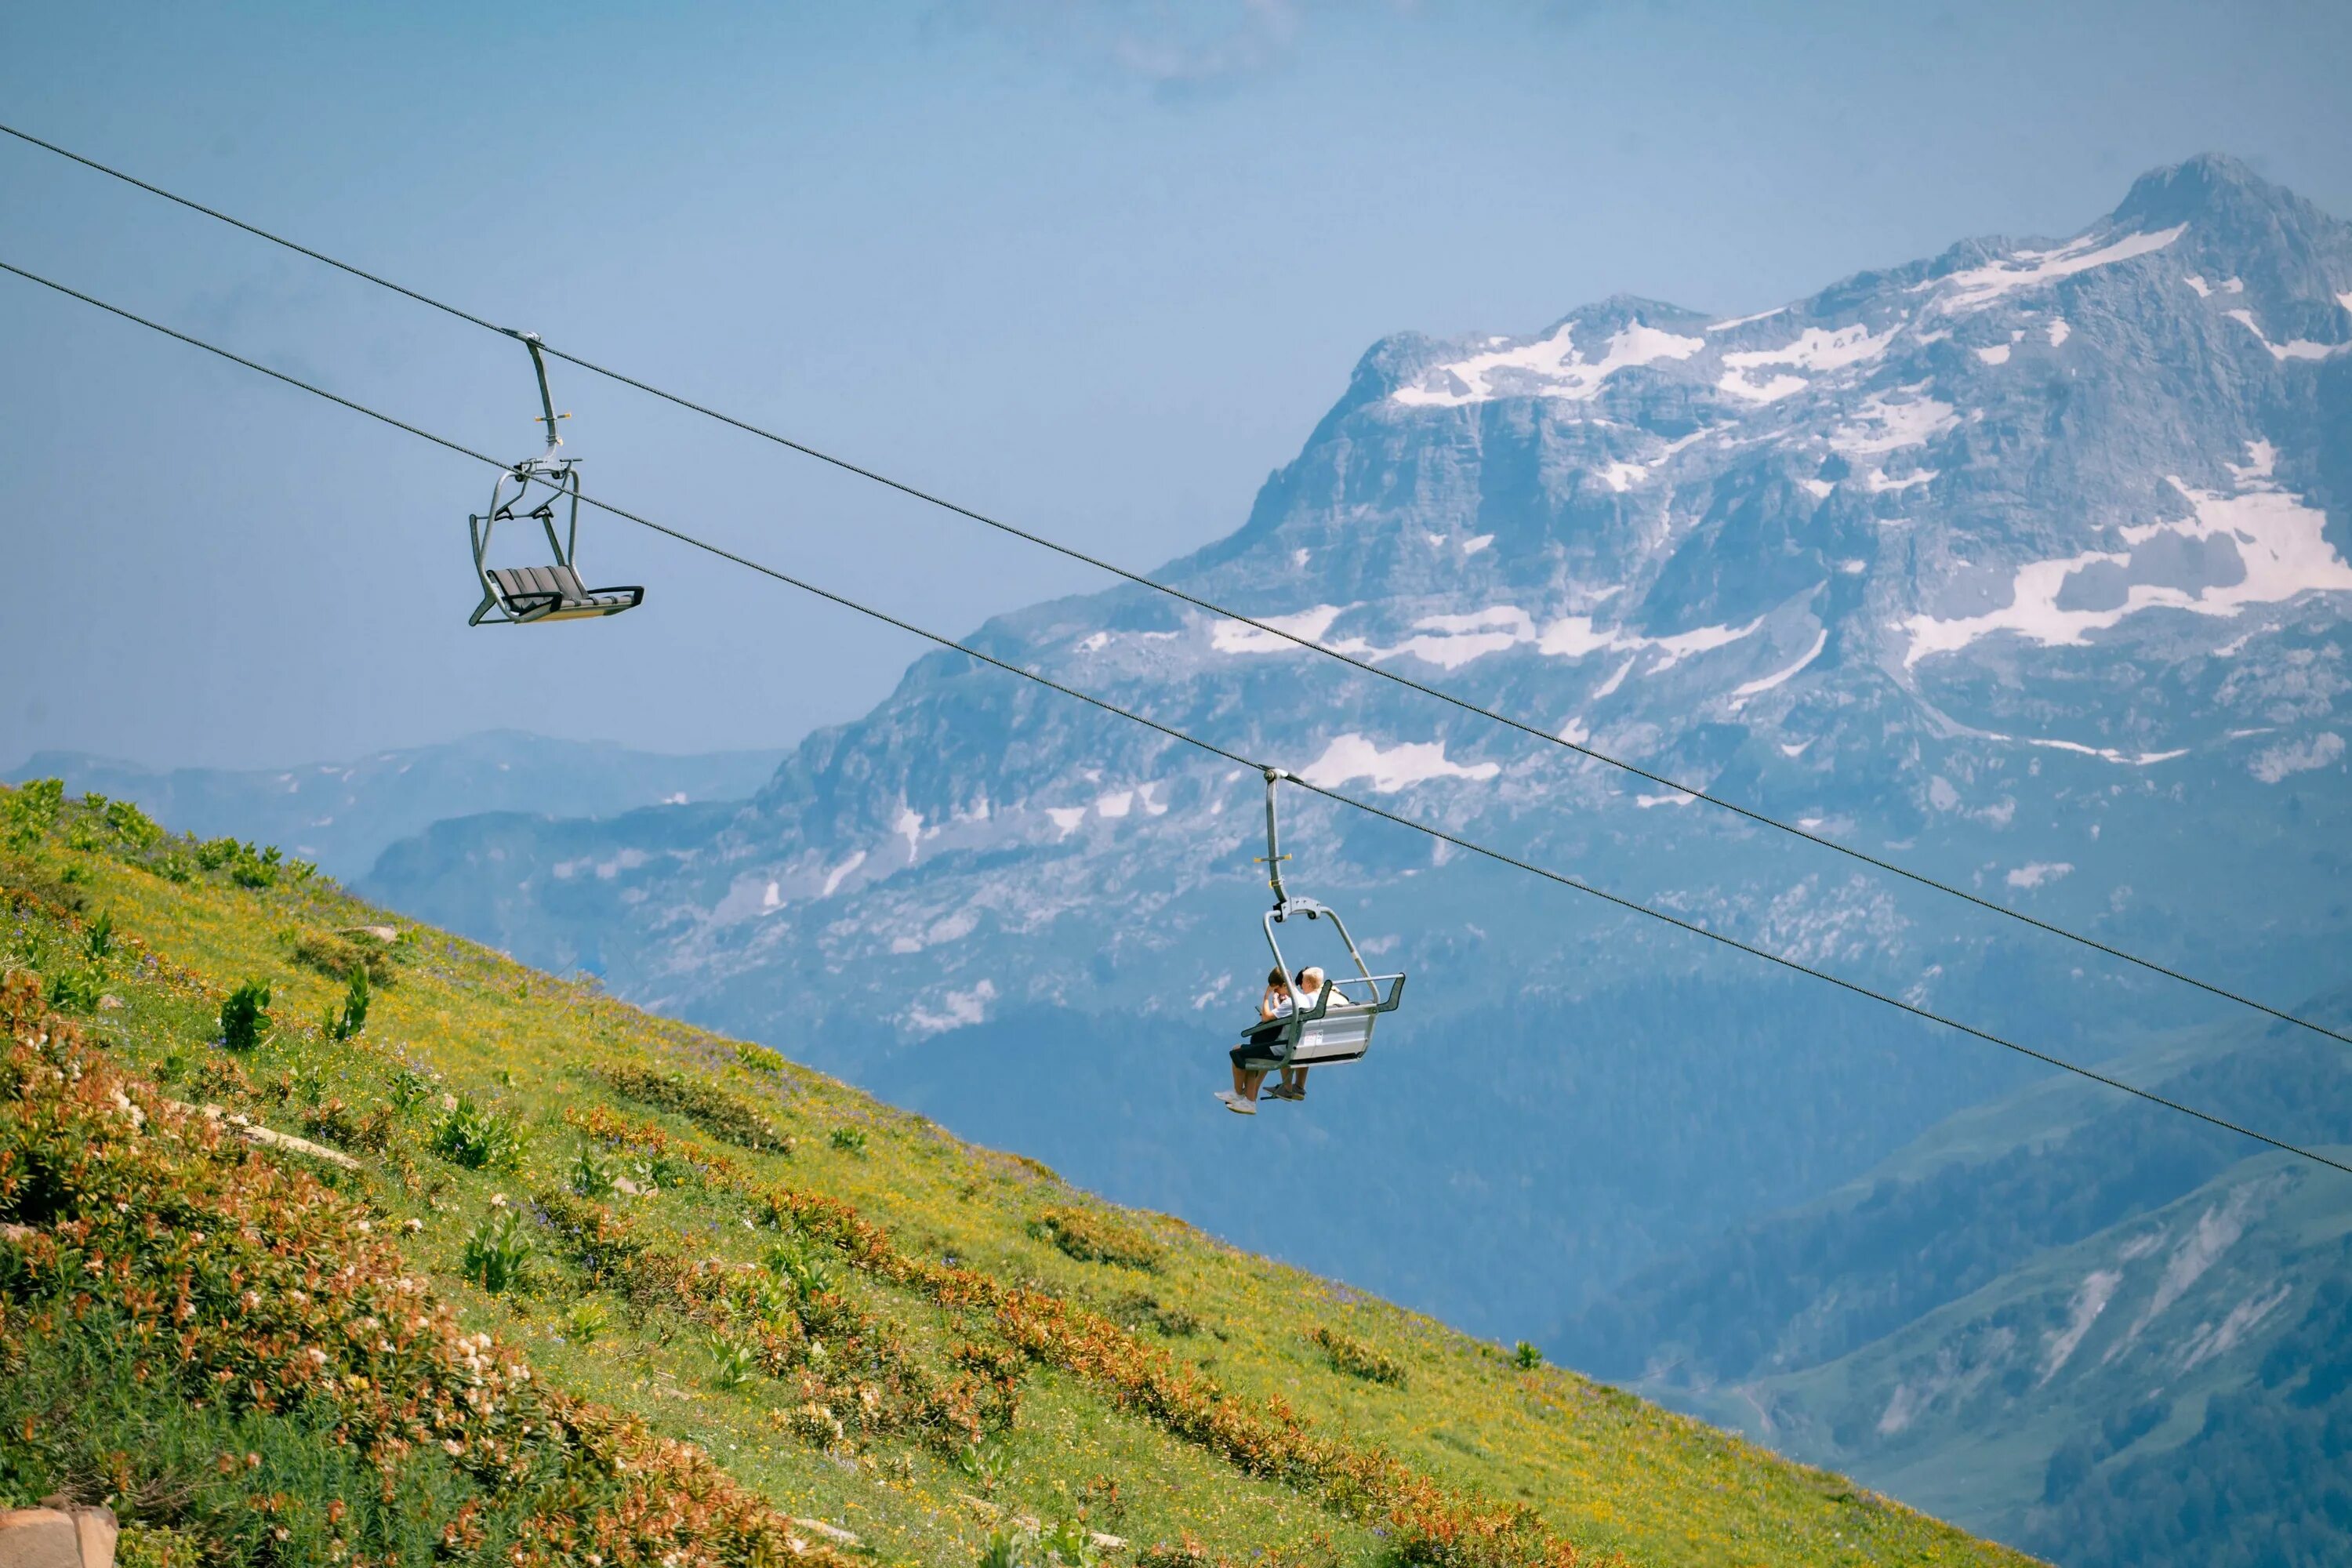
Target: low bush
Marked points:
498	1252
759	1058
1357	1358
1093	1237
340	957
478	1139
724	1115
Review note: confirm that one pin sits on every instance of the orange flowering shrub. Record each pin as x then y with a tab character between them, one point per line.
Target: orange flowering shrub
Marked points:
852	1373
1428	1528
174	1307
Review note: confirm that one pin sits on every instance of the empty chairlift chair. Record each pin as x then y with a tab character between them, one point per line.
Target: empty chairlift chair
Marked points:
1339	1028
534	491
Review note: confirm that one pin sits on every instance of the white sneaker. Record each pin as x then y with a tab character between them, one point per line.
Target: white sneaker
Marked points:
1236	1103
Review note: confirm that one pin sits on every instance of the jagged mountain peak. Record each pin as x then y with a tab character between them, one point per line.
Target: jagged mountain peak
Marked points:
2210	184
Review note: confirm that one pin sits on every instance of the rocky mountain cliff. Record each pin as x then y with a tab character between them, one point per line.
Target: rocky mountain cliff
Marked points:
2025	565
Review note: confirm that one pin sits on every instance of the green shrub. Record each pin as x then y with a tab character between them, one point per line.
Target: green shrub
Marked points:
76	990
592	1174
255	869
807	1268
1357	1358
410	1088
736	1362
1526	1357
477	1139
98	938
133	826
33	810
585	1321
245	1017
723	1115
1092	1237
351	1018
214	852
498	1253
759	1058
850	1139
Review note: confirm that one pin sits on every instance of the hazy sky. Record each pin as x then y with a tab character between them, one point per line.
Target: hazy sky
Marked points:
1097	267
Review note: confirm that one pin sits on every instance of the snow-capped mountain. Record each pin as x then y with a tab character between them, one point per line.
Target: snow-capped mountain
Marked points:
2026	565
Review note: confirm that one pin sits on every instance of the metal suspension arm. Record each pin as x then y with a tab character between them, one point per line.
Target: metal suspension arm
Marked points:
546	399
1274	855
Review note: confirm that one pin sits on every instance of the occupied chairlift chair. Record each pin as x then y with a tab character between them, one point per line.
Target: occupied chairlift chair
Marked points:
1339	1028
526	595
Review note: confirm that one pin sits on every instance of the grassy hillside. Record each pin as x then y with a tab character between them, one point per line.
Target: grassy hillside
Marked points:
550	1279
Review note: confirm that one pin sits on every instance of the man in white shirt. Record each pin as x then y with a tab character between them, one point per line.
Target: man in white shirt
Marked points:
1310	991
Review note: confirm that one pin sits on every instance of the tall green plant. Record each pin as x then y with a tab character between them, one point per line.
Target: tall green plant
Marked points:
245	1016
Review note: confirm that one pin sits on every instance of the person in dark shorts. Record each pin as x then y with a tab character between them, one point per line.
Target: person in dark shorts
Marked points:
1271	1008
1310	988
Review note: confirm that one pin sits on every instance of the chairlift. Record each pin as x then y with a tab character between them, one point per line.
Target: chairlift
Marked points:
527	596
1339	1026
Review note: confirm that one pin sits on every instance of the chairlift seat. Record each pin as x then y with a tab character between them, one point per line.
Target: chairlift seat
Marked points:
526	595
554	593
1338	1028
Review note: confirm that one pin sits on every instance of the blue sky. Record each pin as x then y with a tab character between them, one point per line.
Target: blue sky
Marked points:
1096	266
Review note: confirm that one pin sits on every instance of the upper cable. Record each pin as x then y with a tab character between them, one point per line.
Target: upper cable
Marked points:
1172	732
1747	813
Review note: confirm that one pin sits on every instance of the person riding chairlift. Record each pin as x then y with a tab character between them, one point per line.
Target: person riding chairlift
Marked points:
1277	1004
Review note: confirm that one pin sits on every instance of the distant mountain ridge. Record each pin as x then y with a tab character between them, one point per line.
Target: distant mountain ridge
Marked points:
343	814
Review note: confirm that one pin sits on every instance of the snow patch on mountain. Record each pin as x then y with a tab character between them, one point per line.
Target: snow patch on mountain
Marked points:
2274	544
1878	483
1574	637
1548	367
957	1009
1353	756
1231	636
1974	288
2299	348
2284	761
1762	684
1452	641
1887	424
1816	349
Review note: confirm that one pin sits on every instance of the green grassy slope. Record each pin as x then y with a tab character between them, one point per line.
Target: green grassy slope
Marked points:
862	1320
